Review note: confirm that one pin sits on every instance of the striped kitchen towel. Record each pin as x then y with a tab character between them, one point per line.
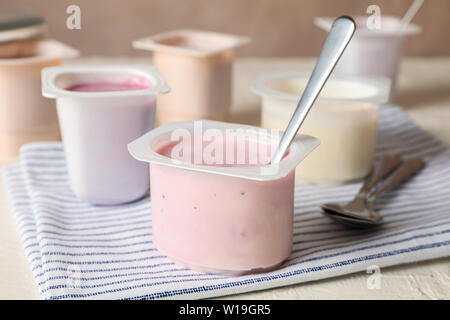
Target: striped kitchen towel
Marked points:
79	251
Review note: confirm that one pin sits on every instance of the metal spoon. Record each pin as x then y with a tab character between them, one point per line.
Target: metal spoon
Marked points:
357	207
339	36
362	213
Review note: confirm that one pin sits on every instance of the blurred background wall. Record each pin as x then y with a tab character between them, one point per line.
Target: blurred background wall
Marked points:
277	27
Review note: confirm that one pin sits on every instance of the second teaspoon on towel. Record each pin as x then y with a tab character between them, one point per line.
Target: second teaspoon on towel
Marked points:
365	215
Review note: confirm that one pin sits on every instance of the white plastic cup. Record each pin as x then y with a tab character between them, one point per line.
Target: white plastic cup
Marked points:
97	126
344	118
373	52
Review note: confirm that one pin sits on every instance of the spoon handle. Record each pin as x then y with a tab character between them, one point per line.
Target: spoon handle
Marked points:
406	170
381	169
339	36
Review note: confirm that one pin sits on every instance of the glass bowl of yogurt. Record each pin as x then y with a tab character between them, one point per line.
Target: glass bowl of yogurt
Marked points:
344	118
218	206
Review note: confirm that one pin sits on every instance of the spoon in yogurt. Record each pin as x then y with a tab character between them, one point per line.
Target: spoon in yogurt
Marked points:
338	38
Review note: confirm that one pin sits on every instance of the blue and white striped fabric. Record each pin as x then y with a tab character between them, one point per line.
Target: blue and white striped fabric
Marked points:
80	251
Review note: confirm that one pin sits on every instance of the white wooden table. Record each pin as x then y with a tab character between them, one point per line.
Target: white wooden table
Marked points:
424	92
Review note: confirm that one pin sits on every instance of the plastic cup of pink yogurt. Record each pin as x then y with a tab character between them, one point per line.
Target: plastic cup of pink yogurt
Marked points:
25	116
100	110
218	206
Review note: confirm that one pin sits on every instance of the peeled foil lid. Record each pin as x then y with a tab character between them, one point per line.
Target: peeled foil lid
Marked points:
21	24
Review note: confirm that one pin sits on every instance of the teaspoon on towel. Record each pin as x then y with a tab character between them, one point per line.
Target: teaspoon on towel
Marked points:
360	212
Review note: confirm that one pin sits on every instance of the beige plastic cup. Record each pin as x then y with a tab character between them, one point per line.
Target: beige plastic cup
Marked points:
197	65
373	52
344	118
26	116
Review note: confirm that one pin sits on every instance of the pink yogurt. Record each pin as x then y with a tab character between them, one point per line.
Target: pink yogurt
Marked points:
107	86
220	224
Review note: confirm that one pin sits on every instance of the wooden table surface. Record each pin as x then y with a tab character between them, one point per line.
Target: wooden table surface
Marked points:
423	91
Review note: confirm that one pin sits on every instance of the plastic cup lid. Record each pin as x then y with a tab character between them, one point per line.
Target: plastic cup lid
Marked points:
143	149
390	26
46	50
366	89
190	42
50	75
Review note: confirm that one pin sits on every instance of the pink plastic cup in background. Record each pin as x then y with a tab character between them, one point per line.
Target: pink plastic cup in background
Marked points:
220	218
373	52
198	66
26	116
100	110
